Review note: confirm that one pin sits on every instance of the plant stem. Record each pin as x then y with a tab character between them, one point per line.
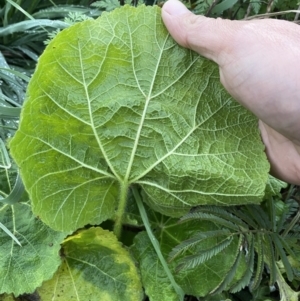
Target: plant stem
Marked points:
121	209
155	243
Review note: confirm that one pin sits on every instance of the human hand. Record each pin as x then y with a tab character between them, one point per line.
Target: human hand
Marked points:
259	66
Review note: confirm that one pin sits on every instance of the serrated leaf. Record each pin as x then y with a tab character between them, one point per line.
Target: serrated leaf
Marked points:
211	217
116	102
259	216
204	255
245	280
23	268
196	239
256	6
95	267
260	263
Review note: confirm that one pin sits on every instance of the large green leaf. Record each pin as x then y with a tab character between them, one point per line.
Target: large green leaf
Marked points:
116	102
95	267
25	267
199	281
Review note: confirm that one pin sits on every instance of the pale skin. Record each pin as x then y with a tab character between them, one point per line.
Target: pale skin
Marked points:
259	64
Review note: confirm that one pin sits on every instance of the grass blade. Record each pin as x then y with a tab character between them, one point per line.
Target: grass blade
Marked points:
10	234
155	243
25	25
16	193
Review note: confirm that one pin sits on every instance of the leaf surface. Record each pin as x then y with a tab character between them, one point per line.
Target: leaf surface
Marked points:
155	281
23	268
116	102
198	281
95	267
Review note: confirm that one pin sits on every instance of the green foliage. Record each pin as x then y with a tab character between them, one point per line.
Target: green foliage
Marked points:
235	9
213	257
107	5
24	268
197	281
273	188
154	278
263	239
206	152
72	18
95	267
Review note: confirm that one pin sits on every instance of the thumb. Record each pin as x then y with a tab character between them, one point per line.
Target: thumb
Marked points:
209	37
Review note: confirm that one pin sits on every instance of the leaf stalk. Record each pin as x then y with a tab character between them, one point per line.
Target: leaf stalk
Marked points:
121	209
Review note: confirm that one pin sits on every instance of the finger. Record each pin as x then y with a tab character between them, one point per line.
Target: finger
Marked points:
283	154
209	37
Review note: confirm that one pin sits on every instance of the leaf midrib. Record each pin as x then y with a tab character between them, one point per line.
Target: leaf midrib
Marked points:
138	134
92	119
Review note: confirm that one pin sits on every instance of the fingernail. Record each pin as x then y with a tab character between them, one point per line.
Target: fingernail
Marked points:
176	8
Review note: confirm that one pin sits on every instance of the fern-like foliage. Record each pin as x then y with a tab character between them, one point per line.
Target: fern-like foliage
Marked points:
107	5
266	236
72	18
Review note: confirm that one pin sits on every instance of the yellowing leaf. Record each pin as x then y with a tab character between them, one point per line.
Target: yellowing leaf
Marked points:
95	267
115	102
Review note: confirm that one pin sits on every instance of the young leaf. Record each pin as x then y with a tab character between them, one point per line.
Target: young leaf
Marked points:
245	280
254	285
95	267
23	268
211	217
116	102
196	239
193	260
